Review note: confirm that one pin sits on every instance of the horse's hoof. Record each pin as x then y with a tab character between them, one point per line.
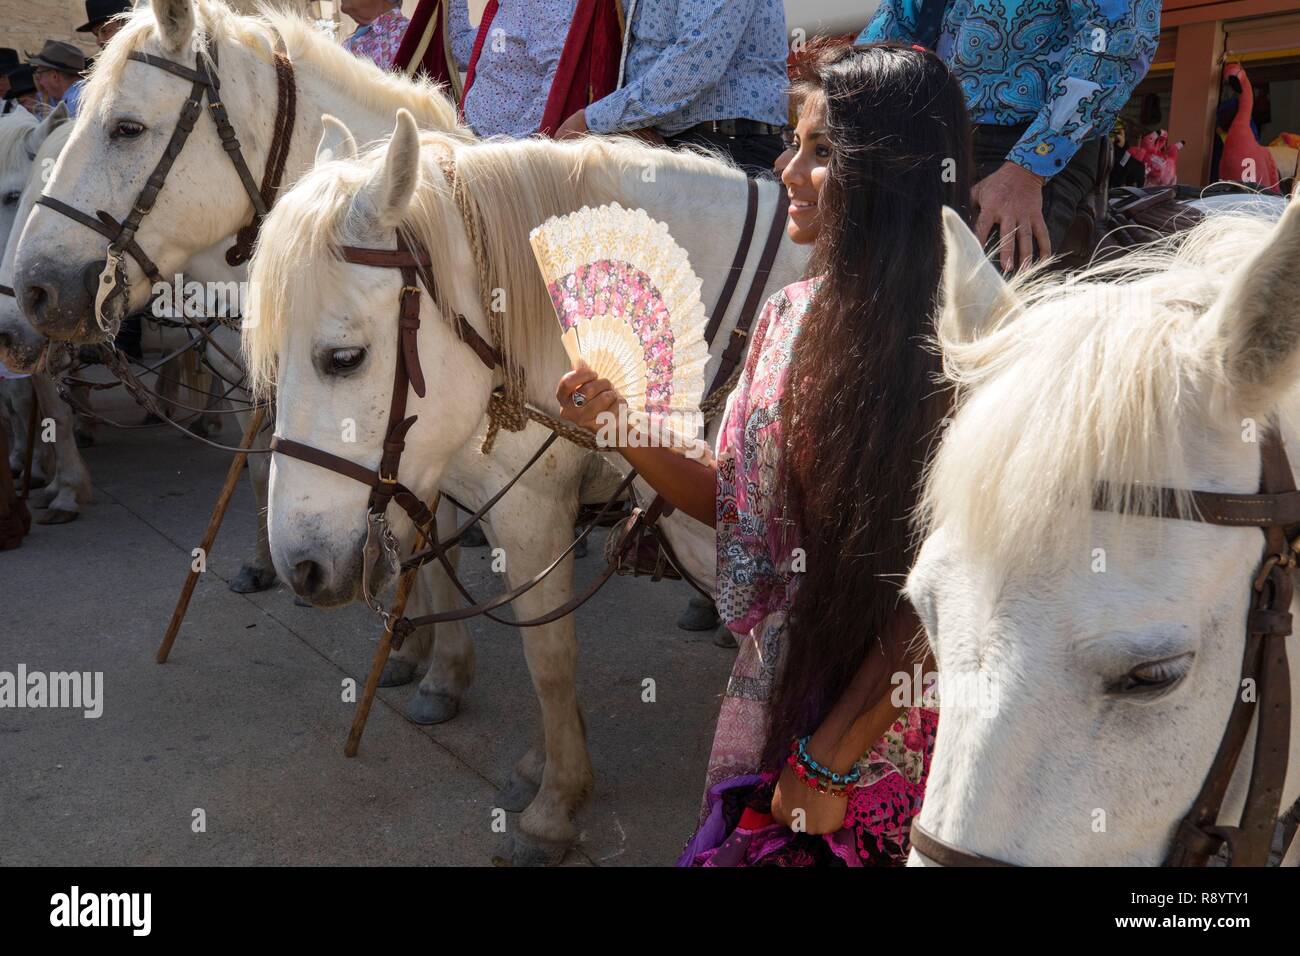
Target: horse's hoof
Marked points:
474	538
700	615
301	602
724	638
431	708
397	673
54	516
250	580
527	850
517	793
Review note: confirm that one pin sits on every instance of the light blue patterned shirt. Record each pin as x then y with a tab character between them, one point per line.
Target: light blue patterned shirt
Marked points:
690	61
72	98
1065	67
517	65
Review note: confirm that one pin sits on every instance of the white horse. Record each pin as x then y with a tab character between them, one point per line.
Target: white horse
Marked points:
323	333
1098	655
128	111
64	482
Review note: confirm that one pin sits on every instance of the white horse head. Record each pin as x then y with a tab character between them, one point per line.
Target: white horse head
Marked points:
1088	660
129	112
21	347
21	135
323	332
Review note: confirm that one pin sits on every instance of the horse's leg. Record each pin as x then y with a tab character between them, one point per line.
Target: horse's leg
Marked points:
258	573
451	665
83	426
71	484
546	829
15	413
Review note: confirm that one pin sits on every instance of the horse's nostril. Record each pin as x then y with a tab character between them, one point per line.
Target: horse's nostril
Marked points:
36	299
307	578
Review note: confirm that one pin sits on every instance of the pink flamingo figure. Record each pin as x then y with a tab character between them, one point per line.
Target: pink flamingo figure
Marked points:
1244	159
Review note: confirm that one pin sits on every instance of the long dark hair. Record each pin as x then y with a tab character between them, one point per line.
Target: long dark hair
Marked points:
862	400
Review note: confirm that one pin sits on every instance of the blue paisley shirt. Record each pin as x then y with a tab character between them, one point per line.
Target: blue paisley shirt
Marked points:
690	61
1065	67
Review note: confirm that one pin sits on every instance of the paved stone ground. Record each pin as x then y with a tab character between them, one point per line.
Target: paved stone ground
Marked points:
246	721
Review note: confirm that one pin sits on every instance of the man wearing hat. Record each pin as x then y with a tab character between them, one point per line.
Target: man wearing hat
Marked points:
22	90
101	19
8	63
58	68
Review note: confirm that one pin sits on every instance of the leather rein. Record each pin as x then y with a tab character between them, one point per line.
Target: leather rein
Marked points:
1275	510
111	281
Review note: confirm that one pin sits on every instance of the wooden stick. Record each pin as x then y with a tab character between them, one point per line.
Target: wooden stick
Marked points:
210	535
31	444
377	666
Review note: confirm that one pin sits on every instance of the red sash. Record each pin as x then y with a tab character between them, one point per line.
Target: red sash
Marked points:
427	24
588	67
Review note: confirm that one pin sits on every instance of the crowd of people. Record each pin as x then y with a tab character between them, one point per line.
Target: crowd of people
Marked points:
825	436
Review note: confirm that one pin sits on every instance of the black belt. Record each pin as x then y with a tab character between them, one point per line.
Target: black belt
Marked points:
732	127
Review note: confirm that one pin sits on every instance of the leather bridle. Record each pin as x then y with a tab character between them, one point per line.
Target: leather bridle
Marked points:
111	281
414	265
1275	510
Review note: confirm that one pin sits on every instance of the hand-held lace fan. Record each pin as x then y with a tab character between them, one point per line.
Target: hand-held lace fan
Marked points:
629	306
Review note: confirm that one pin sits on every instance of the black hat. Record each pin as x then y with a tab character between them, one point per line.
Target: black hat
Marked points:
57	55
21	82
8	60
97	11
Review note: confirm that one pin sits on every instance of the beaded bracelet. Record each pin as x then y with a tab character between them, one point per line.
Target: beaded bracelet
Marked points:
817	777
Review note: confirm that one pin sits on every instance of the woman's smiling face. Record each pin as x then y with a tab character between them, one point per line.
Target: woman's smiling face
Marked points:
804	171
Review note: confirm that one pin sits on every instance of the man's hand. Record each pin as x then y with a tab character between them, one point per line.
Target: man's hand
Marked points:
822	812
573	127
1011	199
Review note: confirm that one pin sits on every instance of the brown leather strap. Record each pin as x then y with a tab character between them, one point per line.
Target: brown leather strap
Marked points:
1211	507
737	263
8	291
109	228
735	350
286	114
944	854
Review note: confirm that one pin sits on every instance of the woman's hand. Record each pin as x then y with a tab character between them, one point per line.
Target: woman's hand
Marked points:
594	397
821	812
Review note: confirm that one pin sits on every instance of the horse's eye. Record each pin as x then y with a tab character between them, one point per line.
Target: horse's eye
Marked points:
126	129
345	360
1155	678
11	199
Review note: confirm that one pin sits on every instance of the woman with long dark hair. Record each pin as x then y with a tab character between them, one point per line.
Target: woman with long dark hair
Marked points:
816	758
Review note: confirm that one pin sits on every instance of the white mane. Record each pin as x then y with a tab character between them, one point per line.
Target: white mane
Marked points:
512	187
1093	381
13	130
308	47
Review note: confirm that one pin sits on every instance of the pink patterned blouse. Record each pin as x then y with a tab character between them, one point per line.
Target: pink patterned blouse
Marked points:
379	39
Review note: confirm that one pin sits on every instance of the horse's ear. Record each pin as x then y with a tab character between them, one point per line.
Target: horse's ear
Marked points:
175	22
976	299
382	202
39	133
336	142
1257	316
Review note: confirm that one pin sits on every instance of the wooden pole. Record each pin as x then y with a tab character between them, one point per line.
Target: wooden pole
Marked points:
377	666
31	444
210	535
